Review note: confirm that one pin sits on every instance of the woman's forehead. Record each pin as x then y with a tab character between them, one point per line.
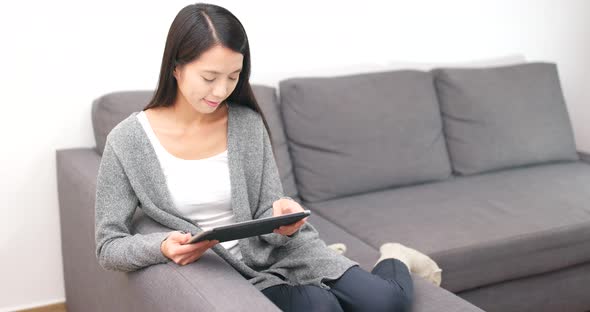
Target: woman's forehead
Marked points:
220	60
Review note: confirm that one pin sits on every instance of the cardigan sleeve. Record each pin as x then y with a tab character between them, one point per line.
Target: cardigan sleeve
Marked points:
271	190
116	248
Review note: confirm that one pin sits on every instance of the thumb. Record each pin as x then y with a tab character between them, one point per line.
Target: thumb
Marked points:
186	237
180	237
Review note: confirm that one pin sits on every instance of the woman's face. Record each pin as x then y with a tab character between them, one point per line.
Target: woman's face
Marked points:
207	81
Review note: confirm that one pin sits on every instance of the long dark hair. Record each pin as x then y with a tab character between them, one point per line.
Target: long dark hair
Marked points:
195	29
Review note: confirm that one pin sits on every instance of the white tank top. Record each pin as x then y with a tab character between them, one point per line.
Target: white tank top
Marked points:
200	188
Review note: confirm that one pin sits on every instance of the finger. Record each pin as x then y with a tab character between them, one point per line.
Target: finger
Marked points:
192	257
289	232
294	224
176	237
286	209
290	229
190	248
204	248
276	210
187	237
179	238
283	230
297	224
294	227
210	244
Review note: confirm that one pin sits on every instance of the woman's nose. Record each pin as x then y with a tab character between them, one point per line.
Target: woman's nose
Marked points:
219	91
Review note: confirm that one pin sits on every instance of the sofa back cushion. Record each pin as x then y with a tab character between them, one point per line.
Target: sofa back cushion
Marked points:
502	117
360	133
110	109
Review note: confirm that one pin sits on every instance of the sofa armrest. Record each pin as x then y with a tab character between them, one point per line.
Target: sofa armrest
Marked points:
428	297
584	156
209	284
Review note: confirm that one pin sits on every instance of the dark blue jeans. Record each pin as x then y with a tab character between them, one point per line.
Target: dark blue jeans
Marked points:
388	287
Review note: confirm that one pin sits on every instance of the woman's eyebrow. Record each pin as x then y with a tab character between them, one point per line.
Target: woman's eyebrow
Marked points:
216	72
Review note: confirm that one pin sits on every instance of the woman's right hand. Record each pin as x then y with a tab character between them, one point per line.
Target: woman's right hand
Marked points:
172	247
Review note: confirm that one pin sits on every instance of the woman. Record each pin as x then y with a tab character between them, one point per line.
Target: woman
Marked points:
199	155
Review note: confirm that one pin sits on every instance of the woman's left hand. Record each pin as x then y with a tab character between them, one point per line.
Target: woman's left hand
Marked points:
286	206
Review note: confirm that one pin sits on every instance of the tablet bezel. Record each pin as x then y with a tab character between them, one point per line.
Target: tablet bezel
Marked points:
253	225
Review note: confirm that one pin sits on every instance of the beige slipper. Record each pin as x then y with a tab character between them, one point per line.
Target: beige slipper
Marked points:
338	247
417	262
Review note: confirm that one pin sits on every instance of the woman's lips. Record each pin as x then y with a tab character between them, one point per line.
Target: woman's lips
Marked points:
212	104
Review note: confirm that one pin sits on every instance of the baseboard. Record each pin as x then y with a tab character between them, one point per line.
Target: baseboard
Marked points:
57	305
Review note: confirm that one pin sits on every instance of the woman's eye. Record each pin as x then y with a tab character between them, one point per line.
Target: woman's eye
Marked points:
211	80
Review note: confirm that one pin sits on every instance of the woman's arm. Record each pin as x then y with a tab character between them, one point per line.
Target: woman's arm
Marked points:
116	248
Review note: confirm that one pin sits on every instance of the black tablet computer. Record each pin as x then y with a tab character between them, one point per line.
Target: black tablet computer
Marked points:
248	228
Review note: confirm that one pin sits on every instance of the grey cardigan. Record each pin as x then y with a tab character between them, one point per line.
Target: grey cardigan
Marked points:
130	177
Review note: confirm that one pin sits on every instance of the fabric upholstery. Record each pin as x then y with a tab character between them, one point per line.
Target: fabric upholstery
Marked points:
360	133
89	288
480	229
504	117
269	104
562	290
168	287
110	109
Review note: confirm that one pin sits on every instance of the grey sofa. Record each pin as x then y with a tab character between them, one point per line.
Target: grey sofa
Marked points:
476	167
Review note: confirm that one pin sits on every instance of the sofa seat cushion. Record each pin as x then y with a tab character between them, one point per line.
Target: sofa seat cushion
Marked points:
356	249
427	297
480	229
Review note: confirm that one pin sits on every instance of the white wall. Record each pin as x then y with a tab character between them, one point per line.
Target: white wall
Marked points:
56	57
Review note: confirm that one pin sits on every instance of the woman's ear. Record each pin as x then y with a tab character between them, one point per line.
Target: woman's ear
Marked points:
175	73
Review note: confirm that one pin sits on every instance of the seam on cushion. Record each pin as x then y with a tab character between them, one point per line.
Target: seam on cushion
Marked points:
524	277
203	299
518	237
439	253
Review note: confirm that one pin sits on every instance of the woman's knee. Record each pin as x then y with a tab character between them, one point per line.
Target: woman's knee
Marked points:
359	290
302	298
401	302
397	300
